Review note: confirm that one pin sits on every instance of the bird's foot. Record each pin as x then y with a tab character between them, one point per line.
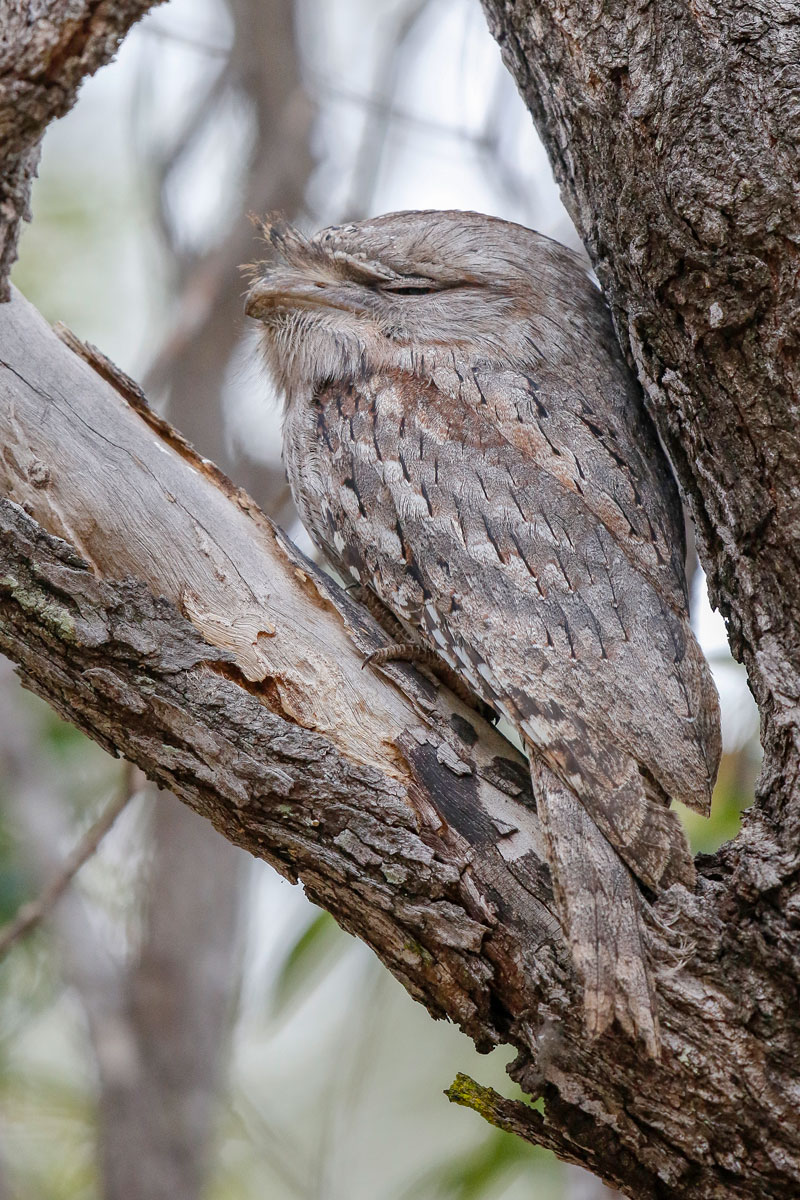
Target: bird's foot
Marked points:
424	656
404	652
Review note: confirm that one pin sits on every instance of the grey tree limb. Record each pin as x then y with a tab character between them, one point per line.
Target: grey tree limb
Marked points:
47	48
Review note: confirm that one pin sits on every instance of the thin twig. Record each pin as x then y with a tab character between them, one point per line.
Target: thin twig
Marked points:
30	915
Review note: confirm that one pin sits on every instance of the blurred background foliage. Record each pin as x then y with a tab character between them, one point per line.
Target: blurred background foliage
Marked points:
185	1023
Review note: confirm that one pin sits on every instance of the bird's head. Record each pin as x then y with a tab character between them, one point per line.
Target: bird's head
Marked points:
410	287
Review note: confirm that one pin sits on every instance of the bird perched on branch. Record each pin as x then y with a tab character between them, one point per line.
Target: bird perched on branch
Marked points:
463	438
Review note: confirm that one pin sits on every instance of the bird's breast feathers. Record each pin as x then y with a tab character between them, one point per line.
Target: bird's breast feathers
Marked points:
517	524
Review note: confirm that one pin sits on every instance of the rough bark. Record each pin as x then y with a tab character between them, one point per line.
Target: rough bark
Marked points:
673	131
47	48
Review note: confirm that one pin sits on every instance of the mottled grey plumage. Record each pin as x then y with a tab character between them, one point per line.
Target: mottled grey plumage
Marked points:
463	438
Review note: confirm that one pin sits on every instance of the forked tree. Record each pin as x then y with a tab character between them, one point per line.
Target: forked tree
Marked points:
154	606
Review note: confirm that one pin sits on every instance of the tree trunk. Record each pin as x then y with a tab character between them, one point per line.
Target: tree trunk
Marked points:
673	131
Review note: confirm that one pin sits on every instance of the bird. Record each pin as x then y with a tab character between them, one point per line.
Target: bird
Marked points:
465	442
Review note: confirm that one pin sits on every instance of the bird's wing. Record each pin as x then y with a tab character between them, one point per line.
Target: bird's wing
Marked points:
542	589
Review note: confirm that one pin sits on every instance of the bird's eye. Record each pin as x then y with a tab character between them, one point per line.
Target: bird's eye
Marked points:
411	291
400	288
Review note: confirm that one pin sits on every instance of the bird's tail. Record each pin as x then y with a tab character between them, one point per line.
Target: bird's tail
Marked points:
601	907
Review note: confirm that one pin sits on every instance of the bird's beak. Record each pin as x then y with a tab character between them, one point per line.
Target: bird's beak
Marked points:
284	288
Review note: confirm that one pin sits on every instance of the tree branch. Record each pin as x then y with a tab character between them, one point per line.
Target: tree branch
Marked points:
673	132
336	736
46	51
